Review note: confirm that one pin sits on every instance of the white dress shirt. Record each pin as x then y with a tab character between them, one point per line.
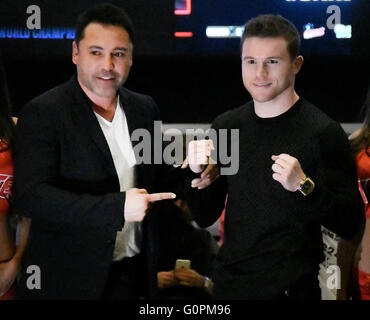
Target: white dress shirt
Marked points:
128	240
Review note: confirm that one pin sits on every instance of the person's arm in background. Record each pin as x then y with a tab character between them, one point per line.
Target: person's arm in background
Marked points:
184	277
6	241
9	269
362	255
166	279
10	266
191	278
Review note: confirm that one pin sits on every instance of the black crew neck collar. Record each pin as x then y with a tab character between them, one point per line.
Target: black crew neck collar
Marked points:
285	115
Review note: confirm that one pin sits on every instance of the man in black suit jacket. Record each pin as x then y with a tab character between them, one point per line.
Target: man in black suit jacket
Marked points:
67	180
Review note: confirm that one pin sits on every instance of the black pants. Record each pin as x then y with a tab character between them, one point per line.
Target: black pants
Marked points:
126	279
306	288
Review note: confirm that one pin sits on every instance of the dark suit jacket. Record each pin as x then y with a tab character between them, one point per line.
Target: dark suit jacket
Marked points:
67	184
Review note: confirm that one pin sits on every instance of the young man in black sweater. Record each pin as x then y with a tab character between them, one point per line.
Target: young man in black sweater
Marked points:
295	174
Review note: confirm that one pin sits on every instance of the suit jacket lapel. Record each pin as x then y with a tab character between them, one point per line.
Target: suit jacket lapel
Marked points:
85	117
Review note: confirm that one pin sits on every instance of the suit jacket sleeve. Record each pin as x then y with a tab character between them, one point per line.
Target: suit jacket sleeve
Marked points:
36	191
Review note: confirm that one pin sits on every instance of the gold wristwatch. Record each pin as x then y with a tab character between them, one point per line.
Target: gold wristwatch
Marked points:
306	186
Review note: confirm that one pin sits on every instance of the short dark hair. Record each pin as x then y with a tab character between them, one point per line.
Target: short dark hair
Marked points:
105	13
269	25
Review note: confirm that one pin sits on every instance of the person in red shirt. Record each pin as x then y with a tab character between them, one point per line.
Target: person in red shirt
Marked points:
360	143
10	252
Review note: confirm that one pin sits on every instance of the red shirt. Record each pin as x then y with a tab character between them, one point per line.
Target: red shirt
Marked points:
363	172
6	177
6	182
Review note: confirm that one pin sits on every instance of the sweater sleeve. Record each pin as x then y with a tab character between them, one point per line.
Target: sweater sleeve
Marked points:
207	204
335	201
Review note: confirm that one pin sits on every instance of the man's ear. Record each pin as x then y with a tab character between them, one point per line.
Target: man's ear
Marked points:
298	62
74	52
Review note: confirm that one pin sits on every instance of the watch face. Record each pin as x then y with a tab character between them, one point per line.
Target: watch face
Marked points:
307	186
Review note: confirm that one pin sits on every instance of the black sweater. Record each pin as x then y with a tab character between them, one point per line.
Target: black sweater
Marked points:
273	236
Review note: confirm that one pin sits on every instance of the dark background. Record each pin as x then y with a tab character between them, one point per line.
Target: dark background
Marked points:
195	79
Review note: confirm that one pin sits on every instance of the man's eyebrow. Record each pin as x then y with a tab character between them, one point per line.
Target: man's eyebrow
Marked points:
121	49
272	57
95	47
115	49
